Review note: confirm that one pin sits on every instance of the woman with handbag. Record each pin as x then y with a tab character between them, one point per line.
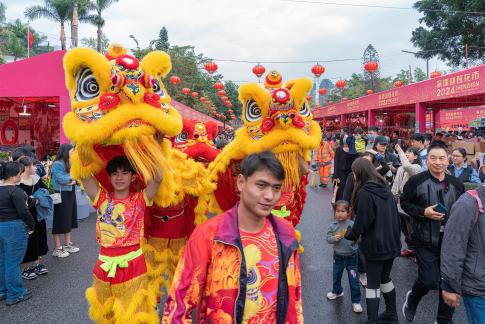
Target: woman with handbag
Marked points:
65	210
16	224
30	183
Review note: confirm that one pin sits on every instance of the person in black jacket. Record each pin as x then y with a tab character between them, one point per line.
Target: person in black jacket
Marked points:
427	197
16	223
342	164
377	223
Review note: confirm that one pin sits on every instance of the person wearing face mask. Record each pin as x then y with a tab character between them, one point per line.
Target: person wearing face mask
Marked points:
16	223
372	133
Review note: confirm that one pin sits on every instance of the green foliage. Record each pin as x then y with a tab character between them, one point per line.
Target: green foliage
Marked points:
161	43
448	31
13	40
3	8
419	75
403	76
92	42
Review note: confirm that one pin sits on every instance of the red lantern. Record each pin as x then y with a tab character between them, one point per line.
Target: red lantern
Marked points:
195	94
308	98
371	66
230	111
221	93
202	99
398	84
210	67
370	91
185	91
174	79
341	84
322	91
228	104
233	117
318	70
218	86
435	74
259	70
224	98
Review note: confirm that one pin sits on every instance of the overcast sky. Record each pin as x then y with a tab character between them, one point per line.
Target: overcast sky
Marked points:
266	30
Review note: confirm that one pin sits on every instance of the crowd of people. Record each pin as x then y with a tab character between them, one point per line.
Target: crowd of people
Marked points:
27	188
385	186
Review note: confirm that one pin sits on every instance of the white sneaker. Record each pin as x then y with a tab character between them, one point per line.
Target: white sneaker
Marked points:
60	253
71	248
333	296
363	279
357	308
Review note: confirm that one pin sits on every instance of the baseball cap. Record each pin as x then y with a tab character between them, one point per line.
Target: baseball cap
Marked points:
381	140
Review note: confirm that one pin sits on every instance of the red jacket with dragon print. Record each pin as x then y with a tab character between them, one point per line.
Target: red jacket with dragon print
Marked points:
212	274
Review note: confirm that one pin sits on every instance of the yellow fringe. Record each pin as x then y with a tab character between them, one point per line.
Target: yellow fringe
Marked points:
289	160
125	303
162	256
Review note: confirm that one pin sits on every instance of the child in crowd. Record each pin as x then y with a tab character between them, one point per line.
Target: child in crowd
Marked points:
120	274
344	256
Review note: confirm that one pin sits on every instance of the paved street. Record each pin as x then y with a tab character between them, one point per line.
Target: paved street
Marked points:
59	296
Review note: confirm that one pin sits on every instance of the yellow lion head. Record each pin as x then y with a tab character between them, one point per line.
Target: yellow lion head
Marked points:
279	121
117	100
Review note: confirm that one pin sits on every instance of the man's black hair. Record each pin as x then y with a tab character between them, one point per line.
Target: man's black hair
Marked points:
437	145
119	163
358	130
428	136
262	161
373	128
418	137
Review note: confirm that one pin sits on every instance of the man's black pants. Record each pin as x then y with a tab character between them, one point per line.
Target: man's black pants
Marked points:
429	275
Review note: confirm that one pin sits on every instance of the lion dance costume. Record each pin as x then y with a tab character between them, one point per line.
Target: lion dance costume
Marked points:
277	119
120	107
197	141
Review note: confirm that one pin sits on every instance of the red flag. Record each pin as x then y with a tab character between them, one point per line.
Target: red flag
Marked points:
31	39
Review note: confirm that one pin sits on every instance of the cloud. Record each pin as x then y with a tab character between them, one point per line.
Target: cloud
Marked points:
265	30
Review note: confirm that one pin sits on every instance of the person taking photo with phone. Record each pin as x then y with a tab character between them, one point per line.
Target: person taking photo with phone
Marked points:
427	197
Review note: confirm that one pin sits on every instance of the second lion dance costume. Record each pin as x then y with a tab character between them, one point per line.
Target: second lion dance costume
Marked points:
120	107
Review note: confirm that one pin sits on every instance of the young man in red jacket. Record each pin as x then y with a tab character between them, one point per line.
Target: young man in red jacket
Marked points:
242	265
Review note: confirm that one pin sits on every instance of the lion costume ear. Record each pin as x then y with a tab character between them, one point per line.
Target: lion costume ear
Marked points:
87	74
299	89
157	63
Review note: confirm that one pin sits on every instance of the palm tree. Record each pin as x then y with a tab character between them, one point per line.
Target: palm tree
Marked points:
58	10
80	10
97	20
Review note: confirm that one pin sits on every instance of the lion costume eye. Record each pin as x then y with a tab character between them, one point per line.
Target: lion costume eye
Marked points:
253	112
304	110
182	137
87	86
158	89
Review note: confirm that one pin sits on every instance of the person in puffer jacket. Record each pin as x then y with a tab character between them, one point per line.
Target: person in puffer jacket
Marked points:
241	266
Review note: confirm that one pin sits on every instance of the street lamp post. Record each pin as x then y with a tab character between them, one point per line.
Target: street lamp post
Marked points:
427	61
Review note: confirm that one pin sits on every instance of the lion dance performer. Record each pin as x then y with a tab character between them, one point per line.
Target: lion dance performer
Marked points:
278	120
121	108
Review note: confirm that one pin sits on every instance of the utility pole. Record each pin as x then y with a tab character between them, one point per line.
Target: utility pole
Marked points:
427	61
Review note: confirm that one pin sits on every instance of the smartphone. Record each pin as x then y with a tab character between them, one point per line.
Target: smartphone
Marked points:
440	208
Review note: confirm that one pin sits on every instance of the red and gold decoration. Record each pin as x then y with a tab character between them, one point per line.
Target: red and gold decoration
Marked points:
370	91
435	74
218	86
273	80
194	94
185	91
174	79
258	70
317	70
371	66
322	91
210	67
398	84
341	84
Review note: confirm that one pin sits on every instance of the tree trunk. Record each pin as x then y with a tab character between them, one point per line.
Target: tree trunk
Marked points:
99	39
74	23
63	37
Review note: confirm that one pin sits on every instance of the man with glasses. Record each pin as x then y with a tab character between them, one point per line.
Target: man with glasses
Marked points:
427	197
